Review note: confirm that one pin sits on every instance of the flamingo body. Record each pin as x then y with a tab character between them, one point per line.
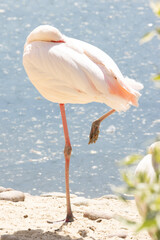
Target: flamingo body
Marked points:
148	164
66	70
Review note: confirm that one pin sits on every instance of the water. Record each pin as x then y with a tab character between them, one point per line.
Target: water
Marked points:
31	133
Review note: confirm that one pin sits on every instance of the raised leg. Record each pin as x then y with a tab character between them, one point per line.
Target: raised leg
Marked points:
95	127
67	155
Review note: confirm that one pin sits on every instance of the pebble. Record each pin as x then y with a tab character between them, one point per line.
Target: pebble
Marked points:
12	195
83	233
92	228
9	237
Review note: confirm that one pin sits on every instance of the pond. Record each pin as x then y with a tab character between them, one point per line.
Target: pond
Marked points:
31	133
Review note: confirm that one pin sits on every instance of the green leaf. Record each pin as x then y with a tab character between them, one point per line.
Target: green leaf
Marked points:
155	5
147	37
157	77
148	223
130	223
128	180
142	177
132	159
155	206
158	30
158	221
156	153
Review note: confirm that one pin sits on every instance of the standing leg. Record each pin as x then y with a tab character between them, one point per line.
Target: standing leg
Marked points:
67	155
95	127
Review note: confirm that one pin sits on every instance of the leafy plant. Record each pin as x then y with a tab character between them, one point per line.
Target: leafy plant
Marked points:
145	186
155	6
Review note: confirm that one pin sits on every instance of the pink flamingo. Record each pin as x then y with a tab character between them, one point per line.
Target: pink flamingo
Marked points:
67	70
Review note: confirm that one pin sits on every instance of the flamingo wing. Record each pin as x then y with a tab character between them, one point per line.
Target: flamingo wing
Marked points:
117	85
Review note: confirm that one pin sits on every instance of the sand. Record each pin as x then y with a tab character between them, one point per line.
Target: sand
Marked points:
31	219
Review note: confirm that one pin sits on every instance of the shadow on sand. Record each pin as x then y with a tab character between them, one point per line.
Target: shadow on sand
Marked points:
38	234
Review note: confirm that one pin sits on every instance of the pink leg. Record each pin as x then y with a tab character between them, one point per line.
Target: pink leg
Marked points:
67	155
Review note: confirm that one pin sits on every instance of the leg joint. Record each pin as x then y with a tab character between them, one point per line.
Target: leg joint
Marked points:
67	151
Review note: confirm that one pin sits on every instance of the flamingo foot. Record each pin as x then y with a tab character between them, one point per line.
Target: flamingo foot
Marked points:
69	218
94	133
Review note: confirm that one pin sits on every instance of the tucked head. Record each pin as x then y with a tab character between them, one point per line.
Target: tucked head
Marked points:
45	33
155	146
154	150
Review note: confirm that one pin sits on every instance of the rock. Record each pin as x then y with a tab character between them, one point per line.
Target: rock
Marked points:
13	195
81	201
109	196
119	235
96	215
2	189
9	237
83	233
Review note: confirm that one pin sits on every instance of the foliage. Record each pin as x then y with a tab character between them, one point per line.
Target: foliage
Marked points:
147	194
140	185
131	159
157	77
155	6
149	35
156	154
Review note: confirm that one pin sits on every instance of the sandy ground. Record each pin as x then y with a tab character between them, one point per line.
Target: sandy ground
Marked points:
30	219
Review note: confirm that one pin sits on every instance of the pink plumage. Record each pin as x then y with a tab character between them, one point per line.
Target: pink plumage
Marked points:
67	70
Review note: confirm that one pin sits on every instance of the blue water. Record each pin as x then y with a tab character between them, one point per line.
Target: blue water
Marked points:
31	133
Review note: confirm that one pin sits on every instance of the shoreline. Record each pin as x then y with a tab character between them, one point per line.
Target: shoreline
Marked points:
36	216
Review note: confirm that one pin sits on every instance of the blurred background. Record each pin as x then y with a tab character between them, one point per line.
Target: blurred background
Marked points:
31	133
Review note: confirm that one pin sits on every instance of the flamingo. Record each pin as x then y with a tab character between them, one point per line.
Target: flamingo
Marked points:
148	164
67	70
150	167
